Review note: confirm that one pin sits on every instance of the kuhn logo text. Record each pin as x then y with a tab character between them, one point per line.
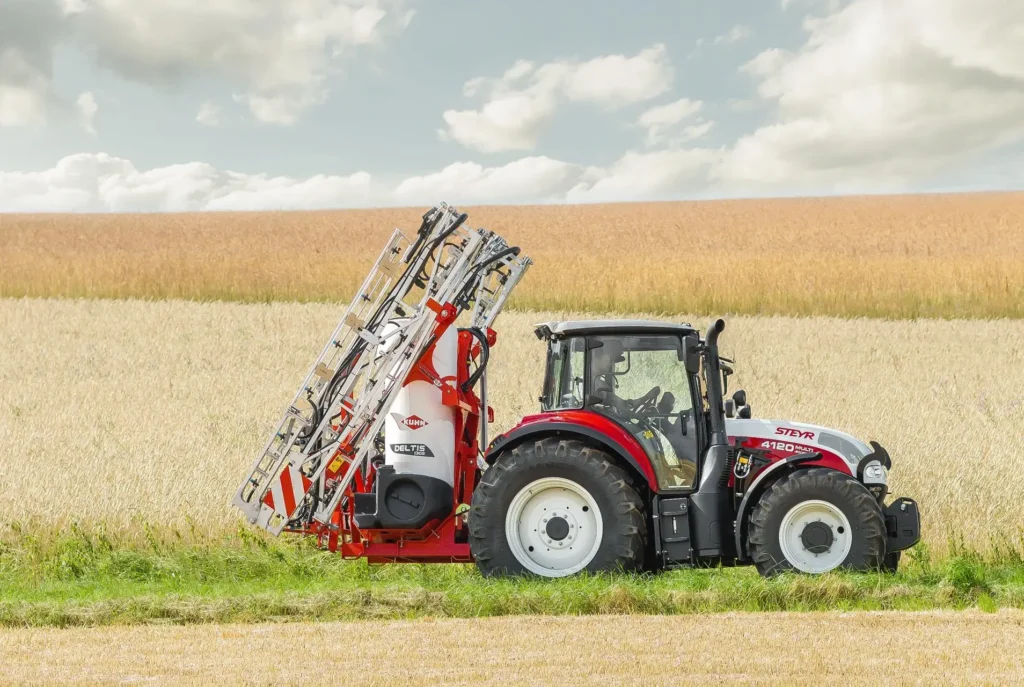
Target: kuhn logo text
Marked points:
414	422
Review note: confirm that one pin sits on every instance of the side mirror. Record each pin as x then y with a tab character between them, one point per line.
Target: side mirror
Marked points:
740	397
744	412
730	407
691	354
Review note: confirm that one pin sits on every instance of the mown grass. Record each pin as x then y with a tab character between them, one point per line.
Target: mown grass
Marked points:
87	579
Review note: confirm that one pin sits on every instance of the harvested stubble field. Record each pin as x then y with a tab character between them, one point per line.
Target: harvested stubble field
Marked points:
737	648
902	256
128	412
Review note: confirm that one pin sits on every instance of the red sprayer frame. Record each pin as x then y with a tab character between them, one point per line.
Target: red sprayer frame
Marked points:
440	541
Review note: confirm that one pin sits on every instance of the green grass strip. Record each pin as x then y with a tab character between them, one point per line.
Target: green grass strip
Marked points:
82	581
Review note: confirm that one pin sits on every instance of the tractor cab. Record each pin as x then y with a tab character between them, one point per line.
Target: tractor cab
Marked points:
634	373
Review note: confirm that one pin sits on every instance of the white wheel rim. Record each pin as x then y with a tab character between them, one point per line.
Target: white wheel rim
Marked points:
792	543
534	538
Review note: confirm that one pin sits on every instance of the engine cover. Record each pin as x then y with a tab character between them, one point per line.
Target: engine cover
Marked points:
782	439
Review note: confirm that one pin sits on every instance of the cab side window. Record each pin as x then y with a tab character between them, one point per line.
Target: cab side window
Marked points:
566	358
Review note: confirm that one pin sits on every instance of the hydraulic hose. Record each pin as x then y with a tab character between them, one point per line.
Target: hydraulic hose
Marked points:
485	354
419	280
471	281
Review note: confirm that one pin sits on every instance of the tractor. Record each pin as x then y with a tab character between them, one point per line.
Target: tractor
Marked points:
637	461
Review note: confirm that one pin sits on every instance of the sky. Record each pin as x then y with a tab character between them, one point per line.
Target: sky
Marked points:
175	105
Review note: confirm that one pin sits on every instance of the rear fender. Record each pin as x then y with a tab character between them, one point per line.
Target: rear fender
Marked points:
589	427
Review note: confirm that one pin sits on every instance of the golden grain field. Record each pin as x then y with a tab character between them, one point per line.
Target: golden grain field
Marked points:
127	411
736	648
897	256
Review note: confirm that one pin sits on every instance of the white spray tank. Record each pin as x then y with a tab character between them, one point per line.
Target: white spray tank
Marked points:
419	431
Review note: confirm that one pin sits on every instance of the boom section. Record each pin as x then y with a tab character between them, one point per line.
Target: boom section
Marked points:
415	290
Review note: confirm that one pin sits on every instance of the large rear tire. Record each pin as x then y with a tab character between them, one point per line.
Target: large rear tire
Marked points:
815	520
553	508
892	562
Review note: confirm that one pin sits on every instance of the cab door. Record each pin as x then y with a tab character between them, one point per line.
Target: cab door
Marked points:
641	383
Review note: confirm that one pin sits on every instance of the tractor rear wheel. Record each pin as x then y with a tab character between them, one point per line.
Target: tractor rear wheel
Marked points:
816	520
554	508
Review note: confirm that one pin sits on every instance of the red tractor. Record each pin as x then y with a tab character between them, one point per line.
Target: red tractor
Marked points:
637	461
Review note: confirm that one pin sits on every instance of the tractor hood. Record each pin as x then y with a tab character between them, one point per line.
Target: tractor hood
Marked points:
803	437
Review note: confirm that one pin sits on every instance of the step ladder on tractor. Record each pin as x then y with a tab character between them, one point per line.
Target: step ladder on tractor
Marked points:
637	460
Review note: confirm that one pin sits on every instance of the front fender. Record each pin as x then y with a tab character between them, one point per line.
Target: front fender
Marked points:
757	487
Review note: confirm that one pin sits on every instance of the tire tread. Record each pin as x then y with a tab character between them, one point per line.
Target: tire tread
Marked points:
762	542
626	540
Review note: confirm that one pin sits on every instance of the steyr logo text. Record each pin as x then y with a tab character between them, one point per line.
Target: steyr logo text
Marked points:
790	432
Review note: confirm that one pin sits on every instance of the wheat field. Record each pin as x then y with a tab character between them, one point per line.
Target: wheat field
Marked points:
790	648
886	256
127	412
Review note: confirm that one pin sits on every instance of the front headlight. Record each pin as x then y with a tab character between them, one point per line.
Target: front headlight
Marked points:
876	472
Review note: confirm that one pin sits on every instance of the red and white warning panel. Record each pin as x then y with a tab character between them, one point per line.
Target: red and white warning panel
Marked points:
284	497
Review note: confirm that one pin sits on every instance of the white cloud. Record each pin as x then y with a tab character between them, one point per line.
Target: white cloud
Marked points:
532	178
657	175
279	54
522	101
884	92
86	107
510	122
28	31
98	182
90	182
734	35
209	114
662	122
23	104
694	131
615	80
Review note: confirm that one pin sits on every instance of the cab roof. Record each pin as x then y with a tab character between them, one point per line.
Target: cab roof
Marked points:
585	327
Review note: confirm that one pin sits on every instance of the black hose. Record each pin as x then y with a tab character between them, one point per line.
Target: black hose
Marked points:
419	280
426	227
474	277
485	354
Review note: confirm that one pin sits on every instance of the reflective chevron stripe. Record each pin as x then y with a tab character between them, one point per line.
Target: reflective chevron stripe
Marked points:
287	491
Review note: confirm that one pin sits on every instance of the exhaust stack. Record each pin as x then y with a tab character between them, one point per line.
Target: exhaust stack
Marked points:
711	518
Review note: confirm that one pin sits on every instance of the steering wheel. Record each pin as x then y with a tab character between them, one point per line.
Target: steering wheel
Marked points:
647	402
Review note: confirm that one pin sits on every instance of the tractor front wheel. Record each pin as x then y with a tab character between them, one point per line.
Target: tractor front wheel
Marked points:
816	520
554	508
